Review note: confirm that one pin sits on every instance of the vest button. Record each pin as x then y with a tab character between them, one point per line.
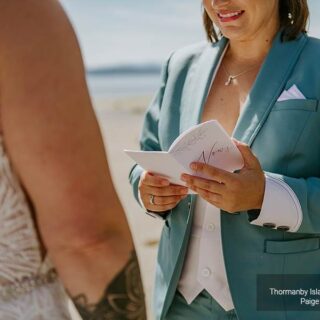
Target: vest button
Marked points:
206	272
210	227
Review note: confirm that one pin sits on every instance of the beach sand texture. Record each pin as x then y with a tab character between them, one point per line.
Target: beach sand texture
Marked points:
120	121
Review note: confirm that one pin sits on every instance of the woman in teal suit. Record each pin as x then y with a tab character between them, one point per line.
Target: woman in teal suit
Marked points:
261	80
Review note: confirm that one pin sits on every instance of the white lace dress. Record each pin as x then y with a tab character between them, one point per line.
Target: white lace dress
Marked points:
29	287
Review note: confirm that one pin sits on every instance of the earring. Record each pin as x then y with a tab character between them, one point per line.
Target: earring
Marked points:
290	17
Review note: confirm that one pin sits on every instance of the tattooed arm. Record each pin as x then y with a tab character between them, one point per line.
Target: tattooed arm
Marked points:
54	143
122	299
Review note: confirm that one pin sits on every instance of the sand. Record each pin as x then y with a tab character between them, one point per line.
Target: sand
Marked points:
121	121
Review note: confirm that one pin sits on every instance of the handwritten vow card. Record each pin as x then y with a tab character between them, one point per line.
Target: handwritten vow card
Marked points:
207	142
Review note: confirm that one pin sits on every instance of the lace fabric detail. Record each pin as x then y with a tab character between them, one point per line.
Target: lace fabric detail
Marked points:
19	288
44	303
20	255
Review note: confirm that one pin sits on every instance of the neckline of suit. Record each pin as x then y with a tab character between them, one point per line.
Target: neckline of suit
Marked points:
275	70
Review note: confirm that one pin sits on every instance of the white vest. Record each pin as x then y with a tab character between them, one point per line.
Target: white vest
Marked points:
204	264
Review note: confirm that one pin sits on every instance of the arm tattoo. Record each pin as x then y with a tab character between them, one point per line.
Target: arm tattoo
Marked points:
123	299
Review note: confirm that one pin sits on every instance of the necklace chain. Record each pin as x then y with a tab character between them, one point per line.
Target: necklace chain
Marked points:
232	77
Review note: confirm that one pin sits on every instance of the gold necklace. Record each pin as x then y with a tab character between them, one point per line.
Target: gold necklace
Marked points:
231	77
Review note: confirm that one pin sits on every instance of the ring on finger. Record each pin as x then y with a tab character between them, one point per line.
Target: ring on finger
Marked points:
151	199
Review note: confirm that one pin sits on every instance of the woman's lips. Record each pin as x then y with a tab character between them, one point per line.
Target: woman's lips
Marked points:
226	16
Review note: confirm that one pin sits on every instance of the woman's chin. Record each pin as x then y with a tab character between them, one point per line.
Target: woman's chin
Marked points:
233	33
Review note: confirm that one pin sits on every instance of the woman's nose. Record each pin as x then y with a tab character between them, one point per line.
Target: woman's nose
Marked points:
217	3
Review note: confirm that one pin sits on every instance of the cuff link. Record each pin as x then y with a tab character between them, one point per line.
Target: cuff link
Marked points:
283	228
269	225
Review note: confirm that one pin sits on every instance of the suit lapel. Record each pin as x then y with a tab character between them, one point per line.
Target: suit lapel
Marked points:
197	91
269	84
199	84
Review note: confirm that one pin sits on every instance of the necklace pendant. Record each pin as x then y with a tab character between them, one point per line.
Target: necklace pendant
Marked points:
229	81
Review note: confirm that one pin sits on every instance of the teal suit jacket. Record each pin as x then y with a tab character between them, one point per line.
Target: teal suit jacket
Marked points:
285	136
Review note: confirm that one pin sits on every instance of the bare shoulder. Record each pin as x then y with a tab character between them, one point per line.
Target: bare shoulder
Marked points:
41	68
31	18
39	56
32	31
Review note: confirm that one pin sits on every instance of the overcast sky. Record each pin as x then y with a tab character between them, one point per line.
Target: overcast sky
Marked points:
113	32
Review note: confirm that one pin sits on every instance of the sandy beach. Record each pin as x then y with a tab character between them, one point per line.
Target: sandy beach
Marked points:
121	120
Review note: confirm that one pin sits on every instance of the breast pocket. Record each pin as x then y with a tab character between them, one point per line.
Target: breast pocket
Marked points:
279	137
292	246
301	256
296	104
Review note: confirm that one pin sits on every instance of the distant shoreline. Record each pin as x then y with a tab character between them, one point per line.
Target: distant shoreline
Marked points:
118	83
149	69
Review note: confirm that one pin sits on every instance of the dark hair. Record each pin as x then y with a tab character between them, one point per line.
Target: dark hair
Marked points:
300	14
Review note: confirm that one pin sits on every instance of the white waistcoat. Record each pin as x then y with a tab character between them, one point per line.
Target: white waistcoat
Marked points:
204	264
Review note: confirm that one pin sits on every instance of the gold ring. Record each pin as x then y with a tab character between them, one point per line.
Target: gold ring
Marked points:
151	199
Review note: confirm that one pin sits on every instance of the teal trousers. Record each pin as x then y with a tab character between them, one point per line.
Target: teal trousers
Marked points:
204	307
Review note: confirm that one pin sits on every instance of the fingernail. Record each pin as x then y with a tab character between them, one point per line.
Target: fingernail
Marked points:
193	166
184	177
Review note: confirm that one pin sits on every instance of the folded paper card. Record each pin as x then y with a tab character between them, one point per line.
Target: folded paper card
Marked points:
207	142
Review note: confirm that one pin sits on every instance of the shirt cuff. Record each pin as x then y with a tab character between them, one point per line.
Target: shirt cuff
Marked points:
281	208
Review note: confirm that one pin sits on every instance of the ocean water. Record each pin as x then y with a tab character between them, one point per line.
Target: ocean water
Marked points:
124	85
113	32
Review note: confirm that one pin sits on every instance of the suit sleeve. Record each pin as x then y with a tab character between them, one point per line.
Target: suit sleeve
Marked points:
149	138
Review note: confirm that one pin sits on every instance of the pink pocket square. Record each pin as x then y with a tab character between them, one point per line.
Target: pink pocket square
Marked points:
292	93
